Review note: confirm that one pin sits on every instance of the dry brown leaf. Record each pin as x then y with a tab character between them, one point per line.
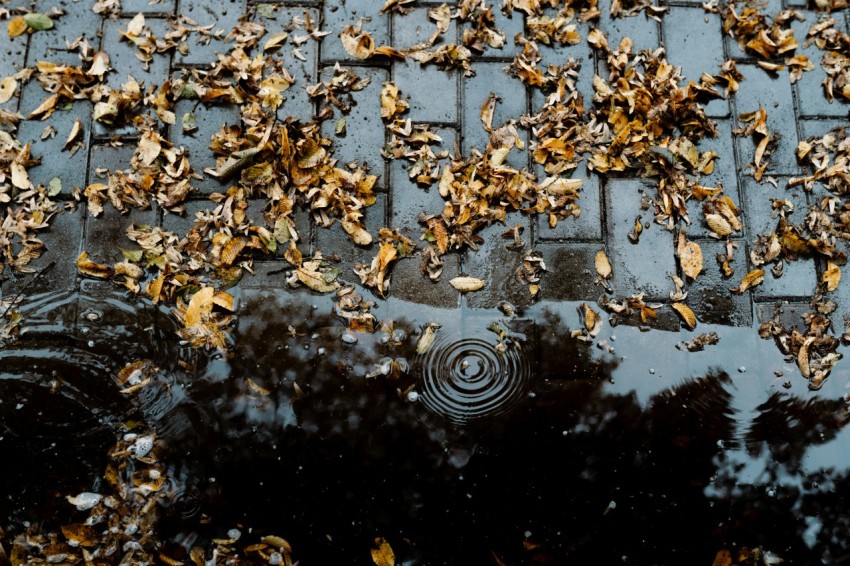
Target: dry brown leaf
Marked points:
690	256
7	89
200	304
686	313
154	288
591	319
357	233
831	276
76	130
603	265
382	554
803	357
467	284
358	44
92	269
487	110
751	279
718	224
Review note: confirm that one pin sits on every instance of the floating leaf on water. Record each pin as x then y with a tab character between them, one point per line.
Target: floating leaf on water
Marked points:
467	284
382	554
591	319
79	534
85	500
252	385
686	313
426	339
200	304
92	269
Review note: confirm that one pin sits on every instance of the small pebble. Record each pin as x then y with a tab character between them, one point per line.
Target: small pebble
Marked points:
742	369
651	371
413	396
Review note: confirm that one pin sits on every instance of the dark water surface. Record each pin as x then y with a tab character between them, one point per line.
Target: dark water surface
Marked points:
511	443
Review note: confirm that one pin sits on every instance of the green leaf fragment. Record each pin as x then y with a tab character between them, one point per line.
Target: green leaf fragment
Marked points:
54	187
38	21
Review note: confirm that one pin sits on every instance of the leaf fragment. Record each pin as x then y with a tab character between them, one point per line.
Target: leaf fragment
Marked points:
751	279
7	89
831	276
603	265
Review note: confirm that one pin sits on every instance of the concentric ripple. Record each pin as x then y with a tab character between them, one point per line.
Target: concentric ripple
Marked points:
469	379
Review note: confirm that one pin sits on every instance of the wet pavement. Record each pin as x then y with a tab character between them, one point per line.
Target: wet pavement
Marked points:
515	434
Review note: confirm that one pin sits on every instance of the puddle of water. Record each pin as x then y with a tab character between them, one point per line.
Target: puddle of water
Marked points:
505	440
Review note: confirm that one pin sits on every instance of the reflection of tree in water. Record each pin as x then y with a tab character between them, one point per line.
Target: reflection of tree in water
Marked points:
575	475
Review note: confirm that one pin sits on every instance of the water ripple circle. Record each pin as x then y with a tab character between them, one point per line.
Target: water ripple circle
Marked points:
468	379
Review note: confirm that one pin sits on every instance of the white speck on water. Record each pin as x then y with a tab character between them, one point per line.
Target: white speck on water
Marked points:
742	369
234	533
321	351
413	396
349	338
143	446
85	500
651	371
91	343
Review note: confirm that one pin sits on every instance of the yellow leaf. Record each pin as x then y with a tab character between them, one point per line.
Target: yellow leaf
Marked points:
718	225
92	269
200	304
487	110
751	279
591	319
154	288
686	313
831	276
467	284
17	26
382	554
357	233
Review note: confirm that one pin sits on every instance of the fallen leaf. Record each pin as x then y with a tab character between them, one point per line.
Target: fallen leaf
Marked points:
92	269
38	21
358	44
487	110
17	26
200	304
690	256
76	130
751	279
591	319
831	276
382	554
7	89
686	313
467	284
603	265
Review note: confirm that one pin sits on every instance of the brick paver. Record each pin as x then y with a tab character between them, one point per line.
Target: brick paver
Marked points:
451	103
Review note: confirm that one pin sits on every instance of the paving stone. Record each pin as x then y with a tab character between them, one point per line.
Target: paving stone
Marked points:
571	273
62	241
70	169
813	128
339	13
335	240
642	267
51	45
510	25
496	264
408	283
432	90
123	60
811	98
122	54
800	277
709	296
364	137
690	34
588	226
209	120
774	94
223	15
410	200
106	234
511	104
641	30
301	61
